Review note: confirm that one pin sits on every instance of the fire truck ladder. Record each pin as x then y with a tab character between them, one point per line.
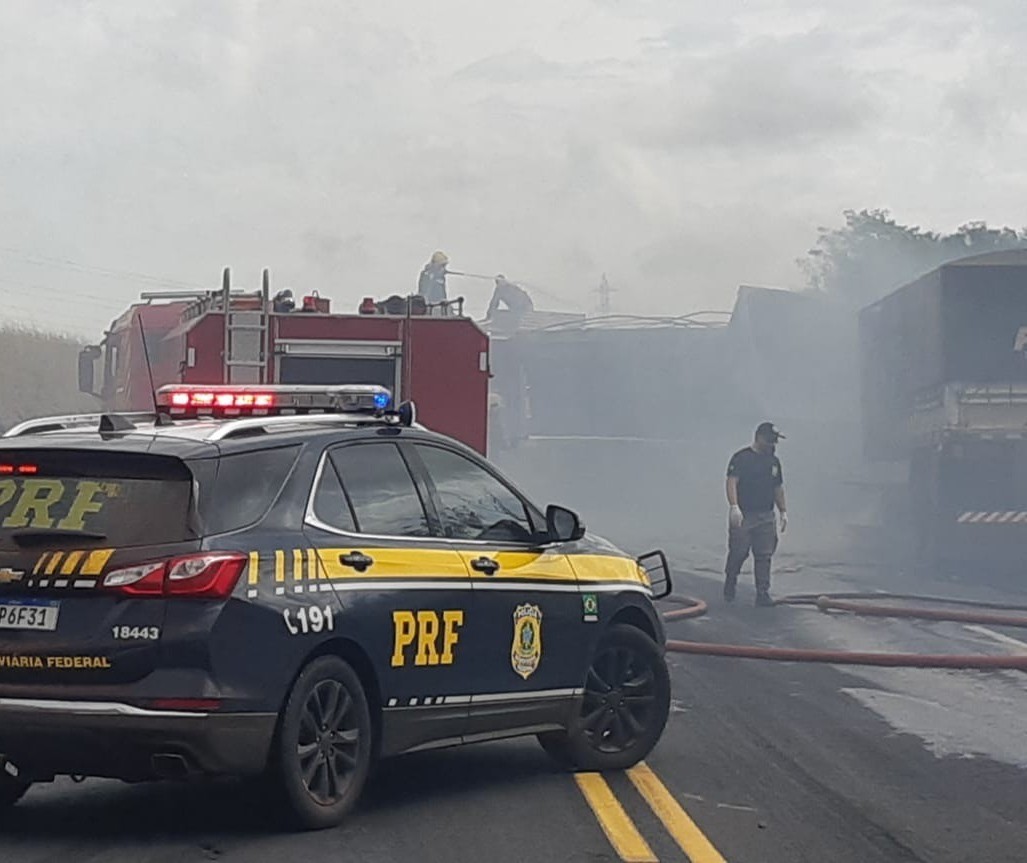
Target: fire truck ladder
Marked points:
246	331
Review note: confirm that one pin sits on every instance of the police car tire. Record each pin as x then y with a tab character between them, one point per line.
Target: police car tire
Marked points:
11	790
286	772
573	749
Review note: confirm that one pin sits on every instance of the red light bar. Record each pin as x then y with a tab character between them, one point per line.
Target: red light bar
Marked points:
22	469
216	399
203	400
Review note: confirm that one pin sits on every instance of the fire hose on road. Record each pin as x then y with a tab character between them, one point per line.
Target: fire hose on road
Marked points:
869	604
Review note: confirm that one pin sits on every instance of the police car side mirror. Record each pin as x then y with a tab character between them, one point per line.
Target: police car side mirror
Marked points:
563	525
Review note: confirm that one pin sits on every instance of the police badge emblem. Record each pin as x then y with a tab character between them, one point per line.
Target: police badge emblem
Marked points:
526	652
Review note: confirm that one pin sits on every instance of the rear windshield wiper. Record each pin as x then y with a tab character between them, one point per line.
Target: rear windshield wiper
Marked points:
36	538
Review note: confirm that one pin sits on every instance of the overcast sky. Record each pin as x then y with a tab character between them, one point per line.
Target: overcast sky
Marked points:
682	147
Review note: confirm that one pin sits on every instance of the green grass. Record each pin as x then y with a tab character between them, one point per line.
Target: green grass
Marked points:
38	375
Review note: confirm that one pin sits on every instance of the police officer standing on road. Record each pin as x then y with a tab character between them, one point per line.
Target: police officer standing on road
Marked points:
755	484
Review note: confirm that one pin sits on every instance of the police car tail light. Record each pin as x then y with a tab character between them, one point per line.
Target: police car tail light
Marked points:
147	579
189	401
202	576
210	576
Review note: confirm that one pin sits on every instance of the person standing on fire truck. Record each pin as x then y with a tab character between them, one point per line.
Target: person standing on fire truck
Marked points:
755	485
432	283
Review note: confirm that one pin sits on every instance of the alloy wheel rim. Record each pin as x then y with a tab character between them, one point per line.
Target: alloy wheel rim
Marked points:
328	743
620	695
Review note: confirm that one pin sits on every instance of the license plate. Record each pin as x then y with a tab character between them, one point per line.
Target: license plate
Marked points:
37	614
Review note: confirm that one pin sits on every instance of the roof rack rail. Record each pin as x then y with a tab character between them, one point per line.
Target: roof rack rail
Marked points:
150	296
39	425
239	427
405	416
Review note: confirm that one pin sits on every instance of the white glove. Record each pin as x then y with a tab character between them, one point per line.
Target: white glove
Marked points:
735	517
784	522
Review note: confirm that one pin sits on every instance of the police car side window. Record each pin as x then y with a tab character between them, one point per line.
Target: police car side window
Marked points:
381	490
473	504
244	488
331	506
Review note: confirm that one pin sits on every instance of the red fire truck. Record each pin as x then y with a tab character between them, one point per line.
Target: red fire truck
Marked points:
432	355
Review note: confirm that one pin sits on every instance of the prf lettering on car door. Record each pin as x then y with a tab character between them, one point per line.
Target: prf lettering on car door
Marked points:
428	637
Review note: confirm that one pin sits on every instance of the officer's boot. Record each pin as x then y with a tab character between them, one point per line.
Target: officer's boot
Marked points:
761	567
730	585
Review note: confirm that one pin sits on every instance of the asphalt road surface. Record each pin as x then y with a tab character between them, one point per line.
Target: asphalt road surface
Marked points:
761	763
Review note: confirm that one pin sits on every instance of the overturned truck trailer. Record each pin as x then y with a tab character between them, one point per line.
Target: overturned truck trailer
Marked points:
606	411
637	417
606	377
944	396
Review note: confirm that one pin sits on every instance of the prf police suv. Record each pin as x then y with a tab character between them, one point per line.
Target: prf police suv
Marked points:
290	582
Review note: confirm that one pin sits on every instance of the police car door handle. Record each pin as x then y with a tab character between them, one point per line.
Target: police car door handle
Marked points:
357	560
486	565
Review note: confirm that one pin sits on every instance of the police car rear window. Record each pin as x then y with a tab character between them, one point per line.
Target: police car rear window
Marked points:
55	498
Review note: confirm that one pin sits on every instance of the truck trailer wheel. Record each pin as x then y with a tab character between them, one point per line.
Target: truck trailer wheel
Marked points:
322	753
624	708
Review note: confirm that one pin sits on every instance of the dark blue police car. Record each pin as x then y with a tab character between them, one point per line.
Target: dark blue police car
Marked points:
291	582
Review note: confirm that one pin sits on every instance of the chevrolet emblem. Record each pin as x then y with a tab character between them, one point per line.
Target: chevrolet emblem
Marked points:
8	575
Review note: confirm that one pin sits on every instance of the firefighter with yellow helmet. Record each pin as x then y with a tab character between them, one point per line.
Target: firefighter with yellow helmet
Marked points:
432	283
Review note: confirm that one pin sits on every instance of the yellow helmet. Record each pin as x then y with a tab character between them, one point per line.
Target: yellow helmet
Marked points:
439	258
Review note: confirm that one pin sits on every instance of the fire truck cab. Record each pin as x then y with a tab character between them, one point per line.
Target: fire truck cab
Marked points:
431	354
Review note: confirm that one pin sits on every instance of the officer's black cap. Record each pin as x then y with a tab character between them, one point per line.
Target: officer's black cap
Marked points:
767	431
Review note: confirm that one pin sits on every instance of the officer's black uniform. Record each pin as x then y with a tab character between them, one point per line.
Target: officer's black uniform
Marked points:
759	476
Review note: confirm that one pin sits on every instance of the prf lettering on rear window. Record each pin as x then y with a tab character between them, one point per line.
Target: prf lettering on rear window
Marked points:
52	503
435	636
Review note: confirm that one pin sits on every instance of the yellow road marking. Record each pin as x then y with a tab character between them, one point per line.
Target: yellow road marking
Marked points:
616	824
685	831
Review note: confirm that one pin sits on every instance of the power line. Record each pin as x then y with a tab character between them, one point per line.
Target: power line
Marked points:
107	272
16	310
63	293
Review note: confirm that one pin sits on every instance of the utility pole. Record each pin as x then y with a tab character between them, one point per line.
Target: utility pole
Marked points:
605	291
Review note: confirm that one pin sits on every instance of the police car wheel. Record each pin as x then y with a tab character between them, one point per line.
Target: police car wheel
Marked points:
624	707
11	790
323	749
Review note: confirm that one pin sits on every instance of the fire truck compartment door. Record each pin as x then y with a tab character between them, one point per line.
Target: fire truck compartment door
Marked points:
383	371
